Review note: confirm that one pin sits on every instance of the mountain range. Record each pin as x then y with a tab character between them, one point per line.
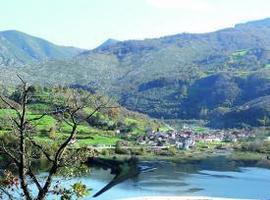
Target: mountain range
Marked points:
222	76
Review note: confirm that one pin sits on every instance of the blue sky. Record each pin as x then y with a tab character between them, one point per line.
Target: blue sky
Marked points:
87	23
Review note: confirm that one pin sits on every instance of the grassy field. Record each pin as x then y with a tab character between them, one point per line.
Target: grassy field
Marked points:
100	130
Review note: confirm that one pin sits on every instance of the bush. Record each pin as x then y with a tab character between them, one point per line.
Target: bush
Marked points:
105	152
120	150
52	133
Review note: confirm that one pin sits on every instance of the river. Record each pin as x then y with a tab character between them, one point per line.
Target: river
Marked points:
215	179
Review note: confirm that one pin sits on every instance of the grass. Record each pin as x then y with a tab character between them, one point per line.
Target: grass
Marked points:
200	129
165	128
65	128
85	129
7	112
86	134
98	140
139	125
45	123
39	107
99	114
82	140
246	156
210	145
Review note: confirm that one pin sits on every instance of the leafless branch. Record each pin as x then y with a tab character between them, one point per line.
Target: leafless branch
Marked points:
41	148
34	178
57	111
10	106
9	154
23	82
8	195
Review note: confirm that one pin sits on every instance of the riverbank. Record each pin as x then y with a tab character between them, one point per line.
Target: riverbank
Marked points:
238	158
181	198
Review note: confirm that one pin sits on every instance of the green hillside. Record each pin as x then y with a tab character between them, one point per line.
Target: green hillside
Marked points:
18	48
106	127
186	76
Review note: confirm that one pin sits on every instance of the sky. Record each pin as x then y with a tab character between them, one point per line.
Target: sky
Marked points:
88	23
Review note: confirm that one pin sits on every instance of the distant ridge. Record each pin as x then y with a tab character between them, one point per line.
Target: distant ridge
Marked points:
211	76
256	23
18	48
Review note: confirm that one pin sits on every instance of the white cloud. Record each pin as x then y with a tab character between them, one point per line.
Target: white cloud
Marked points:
186	5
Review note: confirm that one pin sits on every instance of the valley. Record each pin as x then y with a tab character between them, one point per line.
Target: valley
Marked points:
195	102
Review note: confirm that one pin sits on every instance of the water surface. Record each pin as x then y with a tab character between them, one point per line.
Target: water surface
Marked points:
189	179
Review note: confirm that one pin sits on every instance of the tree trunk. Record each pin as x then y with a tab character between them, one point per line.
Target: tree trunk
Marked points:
42	193
23	159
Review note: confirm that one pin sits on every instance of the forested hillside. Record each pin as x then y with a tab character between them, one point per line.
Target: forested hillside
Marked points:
186	76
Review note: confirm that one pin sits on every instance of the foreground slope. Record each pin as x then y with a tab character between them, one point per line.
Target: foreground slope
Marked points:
105	127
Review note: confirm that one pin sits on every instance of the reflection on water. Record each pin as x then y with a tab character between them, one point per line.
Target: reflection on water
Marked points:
214	177
207	179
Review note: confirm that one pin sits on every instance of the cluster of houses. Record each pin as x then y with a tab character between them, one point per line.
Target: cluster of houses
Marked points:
187	138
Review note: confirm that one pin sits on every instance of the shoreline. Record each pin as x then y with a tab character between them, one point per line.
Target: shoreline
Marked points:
181	198
241	157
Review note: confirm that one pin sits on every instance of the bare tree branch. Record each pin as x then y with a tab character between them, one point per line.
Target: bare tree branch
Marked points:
23	82
11	106
9	196
9	154
57	111
69	114
34	178
41	148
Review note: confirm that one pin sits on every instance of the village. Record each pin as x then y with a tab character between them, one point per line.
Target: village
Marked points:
187	138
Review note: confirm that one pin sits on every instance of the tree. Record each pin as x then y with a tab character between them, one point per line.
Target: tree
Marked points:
20	152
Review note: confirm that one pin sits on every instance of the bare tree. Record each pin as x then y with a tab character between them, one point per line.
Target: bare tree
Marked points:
22	156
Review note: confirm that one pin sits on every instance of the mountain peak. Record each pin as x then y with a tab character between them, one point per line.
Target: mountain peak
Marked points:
107	43
20	48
